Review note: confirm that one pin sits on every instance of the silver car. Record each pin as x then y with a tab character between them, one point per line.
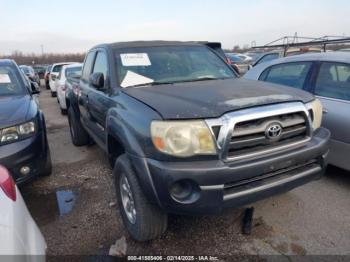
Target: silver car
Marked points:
327	76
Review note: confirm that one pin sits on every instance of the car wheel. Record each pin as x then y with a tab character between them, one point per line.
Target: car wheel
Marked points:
48	165
143	220
77	132
63	111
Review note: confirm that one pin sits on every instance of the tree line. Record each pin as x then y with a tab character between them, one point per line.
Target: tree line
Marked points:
35	59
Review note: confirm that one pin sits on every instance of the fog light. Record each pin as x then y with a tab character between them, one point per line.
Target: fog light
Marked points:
185	191
25	170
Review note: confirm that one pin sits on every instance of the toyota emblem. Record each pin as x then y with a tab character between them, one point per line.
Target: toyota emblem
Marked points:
273	131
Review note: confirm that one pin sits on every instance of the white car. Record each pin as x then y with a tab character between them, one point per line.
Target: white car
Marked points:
55	69
60	83
19	234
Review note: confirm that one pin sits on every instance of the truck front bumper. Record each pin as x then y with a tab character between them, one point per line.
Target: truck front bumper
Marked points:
205	187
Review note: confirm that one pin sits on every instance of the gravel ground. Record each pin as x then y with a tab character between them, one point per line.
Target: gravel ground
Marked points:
311	220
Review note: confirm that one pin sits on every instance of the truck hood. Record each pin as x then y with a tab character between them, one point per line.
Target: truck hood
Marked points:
13	110
213	98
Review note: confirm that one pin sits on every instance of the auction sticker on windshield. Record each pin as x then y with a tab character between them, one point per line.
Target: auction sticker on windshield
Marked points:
136	59
5	79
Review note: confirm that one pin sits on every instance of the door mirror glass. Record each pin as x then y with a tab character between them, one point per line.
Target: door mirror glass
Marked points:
97	80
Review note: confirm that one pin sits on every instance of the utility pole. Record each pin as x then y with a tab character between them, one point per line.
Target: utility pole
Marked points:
42	49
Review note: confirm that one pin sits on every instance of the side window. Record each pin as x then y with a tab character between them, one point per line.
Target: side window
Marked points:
60	73
290	74
88	66
101	64
333	81
268	57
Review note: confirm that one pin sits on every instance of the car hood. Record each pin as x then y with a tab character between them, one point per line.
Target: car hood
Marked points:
213	98
14	110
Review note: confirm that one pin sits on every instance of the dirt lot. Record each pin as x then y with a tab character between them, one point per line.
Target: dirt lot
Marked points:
75	209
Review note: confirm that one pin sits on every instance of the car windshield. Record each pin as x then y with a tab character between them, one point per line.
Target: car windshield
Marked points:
9	82
170	64
57	68
26	69
73	71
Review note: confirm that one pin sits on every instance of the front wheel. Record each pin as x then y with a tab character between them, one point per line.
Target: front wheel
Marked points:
143	220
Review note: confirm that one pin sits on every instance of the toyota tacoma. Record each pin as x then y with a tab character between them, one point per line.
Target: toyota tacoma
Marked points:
186	136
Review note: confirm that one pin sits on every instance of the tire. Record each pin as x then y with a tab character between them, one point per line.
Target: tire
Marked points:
48	165
150	221
63	111
78	134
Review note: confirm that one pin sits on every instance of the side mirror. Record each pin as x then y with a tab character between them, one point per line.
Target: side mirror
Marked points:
35	89
97	80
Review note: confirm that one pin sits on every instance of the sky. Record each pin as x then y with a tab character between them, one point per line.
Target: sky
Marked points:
77	25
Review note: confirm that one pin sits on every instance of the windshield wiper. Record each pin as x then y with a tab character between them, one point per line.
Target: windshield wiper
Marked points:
152	84
182	81
204	79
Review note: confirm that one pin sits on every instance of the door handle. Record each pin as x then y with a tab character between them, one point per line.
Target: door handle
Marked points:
325	111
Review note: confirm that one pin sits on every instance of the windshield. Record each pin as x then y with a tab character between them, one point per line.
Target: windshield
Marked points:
170	64
26	69
57	68
9	82
73	71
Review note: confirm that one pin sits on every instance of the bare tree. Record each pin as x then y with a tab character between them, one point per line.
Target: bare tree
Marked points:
30	59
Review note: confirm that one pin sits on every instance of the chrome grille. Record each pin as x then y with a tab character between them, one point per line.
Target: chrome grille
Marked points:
250	136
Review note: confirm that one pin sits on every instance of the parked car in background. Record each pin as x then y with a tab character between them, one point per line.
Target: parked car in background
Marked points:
20	237
245	57
185	135
344	50
40	70
268	56
327	76
24	149
241	64
47	76
30	73
254	55
67	71
55	70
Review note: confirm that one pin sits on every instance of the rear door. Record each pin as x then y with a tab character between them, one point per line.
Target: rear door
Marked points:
84	89
332	87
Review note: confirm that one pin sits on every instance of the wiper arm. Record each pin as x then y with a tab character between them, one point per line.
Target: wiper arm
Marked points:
205	79
152	84
182	81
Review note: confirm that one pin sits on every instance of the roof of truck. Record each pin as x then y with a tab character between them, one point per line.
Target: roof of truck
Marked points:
132	44
6	62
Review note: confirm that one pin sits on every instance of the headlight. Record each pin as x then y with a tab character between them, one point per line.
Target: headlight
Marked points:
182	138
14	133
317	112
